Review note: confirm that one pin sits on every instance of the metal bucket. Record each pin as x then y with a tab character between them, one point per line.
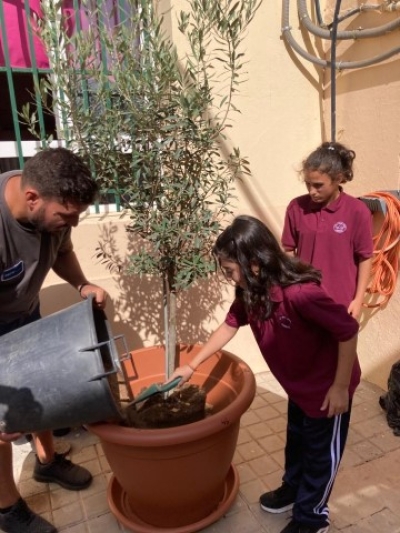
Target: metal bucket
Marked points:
58	371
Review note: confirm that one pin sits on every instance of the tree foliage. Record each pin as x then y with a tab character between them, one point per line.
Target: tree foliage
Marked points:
151	123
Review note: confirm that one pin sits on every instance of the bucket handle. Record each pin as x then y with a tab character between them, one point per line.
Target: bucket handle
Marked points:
115	362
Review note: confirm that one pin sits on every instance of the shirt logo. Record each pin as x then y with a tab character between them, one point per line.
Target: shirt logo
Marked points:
12	272
285	321
340	227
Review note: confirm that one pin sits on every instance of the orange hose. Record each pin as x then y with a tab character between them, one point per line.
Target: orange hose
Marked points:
385	261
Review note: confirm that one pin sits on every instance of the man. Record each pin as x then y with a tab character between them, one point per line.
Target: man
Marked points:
38	207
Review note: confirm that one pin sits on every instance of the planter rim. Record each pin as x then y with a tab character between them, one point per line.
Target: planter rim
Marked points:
189	432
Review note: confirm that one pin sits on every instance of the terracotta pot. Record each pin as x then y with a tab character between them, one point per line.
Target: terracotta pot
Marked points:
178	479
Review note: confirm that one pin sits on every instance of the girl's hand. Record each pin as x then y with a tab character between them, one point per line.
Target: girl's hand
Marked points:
355	309
336	400
185	372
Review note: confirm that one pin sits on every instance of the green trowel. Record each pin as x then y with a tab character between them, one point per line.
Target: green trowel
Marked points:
156	388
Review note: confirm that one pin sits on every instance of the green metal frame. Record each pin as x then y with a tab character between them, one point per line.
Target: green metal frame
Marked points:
9	70
36	72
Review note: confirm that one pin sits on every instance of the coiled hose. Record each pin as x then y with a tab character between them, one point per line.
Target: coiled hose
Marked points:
385	261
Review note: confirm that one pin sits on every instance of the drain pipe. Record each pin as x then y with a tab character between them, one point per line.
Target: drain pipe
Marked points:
393	6
343	65
343	35
333	69
354	11
364	7
290	41
319	14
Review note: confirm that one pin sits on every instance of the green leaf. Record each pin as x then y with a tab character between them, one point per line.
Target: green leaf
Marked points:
151	120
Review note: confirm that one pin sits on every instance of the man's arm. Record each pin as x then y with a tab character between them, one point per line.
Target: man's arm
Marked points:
69	269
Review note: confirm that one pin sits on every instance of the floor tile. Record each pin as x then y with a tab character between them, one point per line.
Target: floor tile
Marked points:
365	497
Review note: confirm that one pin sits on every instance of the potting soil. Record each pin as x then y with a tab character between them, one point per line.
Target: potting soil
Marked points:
185	405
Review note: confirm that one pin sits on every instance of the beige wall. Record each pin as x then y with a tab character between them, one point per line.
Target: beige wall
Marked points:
285	113
368	118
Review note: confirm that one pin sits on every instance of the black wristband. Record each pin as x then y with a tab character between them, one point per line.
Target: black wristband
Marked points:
80	287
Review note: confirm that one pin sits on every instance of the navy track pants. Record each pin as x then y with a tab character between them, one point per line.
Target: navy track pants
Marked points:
314	448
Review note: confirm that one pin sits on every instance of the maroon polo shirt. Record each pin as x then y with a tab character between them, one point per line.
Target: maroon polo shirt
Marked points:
300	340
334	239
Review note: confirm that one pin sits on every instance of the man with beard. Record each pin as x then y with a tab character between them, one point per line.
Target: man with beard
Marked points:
38	207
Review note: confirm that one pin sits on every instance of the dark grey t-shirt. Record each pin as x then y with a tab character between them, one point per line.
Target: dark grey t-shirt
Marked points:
26	256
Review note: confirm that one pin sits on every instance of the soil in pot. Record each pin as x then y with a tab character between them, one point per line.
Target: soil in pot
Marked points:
184	406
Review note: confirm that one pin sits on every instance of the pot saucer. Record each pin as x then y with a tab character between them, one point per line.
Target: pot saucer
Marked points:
121	509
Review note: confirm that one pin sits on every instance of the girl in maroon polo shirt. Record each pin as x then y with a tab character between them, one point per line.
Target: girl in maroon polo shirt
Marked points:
309	343
330	229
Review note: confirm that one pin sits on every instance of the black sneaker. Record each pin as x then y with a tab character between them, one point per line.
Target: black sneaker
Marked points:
296	527
21	519
278	500
63	472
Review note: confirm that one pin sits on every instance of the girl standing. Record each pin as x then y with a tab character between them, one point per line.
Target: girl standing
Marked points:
309	343
330	229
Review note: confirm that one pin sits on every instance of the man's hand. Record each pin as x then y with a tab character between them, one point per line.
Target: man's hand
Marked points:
100	295
10	437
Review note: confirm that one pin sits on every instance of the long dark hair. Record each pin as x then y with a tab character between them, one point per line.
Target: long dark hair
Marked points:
249	243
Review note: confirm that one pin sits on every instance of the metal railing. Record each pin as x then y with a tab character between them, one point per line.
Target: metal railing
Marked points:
16	143
19	85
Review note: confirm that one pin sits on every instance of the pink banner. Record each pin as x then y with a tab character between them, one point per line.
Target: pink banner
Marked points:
16	21
17	35
17	29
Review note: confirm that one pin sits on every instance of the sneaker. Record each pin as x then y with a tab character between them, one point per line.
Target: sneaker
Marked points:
278	500
21	519
296	527
63	472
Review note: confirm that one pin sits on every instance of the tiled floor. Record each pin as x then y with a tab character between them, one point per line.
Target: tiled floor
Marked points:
365	499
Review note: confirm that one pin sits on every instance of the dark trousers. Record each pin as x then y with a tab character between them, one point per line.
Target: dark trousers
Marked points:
314	448
11	326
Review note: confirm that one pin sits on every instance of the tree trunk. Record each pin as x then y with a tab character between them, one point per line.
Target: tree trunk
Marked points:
169	304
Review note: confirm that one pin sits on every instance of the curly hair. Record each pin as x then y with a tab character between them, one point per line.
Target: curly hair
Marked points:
58	173
333	159
249	243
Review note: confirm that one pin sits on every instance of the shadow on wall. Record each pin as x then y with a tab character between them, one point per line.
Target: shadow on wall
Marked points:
136	311
140	302
58	297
